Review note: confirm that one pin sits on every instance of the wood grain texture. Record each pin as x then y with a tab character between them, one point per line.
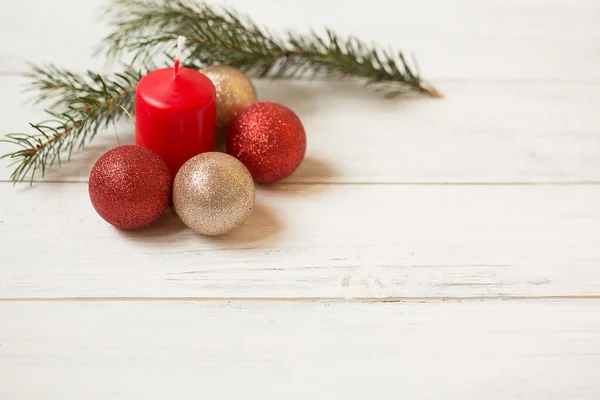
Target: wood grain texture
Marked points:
463	39
493	350
482	132
369	215
313	241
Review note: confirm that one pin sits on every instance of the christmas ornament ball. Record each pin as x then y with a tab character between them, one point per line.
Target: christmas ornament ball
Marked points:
213	193
130	187
234	90
268	139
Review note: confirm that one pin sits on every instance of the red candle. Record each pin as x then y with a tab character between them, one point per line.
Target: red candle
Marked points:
175	114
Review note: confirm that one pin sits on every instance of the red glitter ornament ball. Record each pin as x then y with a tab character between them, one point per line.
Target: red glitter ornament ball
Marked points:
130	187
268	139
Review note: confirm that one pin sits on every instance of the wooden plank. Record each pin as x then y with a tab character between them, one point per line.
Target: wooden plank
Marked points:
483	132
341	241
494	350
513	39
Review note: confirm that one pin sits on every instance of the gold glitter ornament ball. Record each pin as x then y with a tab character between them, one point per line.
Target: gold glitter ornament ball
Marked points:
234	90
213	193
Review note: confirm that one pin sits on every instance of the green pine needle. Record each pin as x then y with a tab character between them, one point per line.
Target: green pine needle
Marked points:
89	103
215	35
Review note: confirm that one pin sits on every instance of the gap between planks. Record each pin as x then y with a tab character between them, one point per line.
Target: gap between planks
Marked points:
404	183
448	79
396	299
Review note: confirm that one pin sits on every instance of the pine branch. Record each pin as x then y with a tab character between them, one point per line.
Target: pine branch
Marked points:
90	103
148	28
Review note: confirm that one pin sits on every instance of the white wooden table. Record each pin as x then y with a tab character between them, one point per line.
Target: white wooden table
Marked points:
425	249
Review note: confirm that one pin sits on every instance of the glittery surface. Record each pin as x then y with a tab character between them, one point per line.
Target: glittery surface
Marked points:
268	139
213	193
130	187
234	92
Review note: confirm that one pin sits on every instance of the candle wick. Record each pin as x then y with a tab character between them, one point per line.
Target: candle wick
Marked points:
180	44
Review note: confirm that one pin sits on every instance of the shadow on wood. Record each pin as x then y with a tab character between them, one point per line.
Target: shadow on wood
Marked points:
263	225
167	225
312	170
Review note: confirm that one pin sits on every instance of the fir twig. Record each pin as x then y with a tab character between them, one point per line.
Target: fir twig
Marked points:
90	103
147	28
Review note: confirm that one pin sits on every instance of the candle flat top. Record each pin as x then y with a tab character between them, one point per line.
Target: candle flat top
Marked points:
187	90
